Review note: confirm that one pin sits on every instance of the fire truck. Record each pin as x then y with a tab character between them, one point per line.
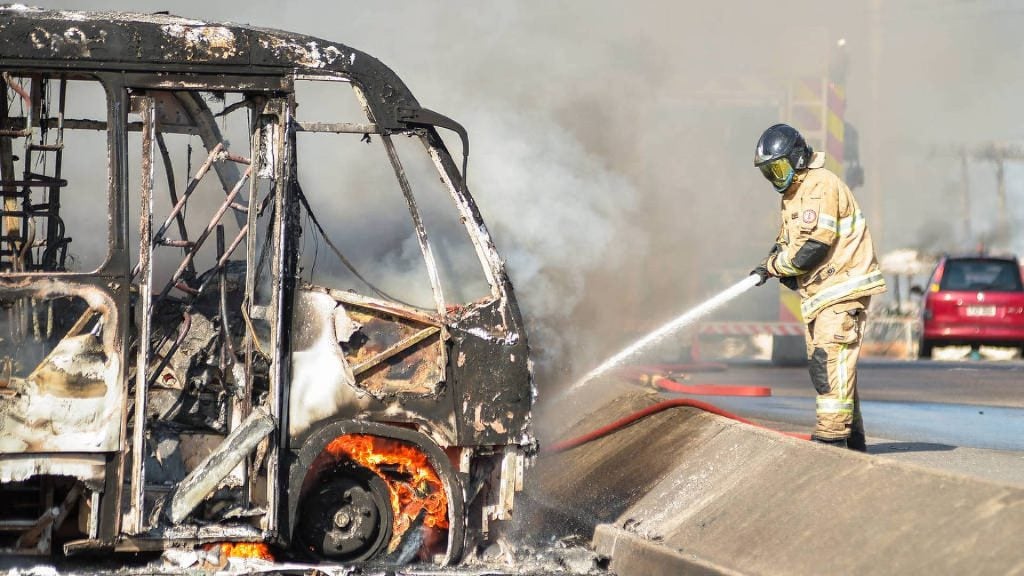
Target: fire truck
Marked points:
245	296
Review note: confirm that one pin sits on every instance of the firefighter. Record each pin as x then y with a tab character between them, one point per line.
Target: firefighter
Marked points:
824	252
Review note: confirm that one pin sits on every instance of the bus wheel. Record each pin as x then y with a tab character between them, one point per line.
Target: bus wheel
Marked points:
345	517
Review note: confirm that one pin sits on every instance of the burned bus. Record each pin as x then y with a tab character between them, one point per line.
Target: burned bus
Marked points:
245	296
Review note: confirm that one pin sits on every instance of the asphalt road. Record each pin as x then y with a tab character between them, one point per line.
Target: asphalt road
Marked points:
961	417
981	383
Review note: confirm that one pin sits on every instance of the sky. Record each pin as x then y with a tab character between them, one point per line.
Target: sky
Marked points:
612	142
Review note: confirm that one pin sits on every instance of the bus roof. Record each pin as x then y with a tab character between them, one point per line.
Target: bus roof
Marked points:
33	37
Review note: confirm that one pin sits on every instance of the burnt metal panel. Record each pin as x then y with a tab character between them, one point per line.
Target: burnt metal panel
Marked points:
491	375
35	33
72	400
205	477
394	356
386	363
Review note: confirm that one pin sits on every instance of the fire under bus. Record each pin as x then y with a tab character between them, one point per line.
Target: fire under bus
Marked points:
245	296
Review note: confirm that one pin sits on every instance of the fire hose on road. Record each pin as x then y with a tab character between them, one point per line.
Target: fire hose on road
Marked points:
647	375
670	385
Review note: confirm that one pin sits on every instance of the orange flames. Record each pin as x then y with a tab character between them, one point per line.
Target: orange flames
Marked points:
246	550
412	481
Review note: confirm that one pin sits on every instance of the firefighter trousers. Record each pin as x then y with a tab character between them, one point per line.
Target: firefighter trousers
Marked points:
833	346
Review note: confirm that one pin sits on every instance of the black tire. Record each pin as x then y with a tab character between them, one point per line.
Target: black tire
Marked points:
924	350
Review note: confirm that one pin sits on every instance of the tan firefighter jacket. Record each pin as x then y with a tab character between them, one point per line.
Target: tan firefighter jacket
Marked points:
824	242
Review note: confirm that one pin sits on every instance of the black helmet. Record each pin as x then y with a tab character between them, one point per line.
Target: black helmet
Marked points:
780	152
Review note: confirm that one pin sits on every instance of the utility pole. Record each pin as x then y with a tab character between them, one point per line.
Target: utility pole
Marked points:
1001	223
874	156
999	154
965	197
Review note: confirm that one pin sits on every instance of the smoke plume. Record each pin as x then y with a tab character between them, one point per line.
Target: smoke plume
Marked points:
613	142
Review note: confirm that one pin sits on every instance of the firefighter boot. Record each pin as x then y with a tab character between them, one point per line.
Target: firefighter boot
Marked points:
837	442
857	442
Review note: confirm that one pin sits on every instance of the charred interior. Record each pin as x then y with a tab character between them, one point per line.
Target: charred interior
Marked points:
210	330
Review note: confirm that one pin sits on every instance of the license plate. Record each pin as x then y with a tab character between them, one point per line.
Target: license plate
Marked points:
981	310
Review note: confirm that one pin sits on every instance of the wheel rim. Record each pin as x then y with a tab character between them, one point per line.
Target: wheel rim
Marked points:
346	516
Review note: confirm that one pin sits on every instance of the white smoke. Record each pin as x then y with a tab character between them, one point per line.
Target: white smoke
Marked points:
587	118
558	213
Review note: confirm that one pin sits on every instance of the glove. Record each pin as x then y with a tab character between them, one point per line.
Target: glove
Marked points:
762	268
762	272
789	282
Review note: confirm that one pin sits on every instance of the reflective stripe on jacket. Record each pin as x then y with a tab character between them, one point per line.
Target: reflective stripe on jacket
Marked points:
820	216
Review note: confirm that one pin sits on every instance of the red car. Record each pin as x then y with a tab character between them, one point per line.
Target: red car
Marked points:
973	300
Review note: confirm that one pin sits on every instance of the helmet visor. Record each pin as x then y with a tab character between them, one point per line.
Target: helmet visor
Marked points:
779	172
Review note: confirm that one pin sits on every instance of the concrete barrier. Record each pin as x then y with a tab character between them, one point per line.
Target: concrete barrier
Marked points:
683	491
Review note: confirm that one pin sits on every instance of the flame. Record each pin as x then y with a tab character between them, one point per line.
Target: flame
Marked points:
246	550
412	482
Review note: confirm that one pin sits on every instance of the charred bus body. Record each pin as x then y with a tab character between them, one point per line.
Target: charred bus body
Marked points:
179	363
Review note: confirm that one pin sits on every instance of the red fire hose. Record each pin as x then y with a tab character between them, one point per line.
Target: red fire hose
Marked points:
711	389
673	386
653	375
